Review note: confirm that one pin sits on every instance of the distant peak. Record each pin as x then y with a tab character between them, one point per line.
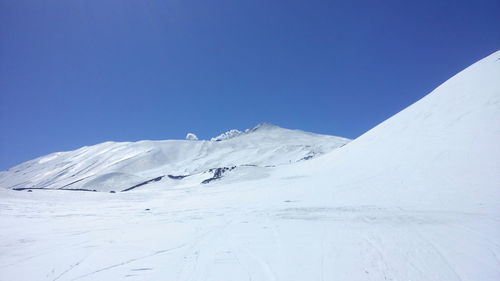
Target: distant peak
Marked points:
234	133
264	126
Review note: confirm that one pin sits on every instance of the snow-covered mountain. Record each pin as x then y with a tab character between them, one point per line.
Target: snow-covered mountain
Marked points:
443	152
415	198
115	166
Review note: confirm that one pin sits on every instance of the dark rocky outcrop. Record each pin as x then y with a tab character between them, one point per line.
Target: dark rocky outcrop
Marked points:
42	188
143	183
177	177
217	173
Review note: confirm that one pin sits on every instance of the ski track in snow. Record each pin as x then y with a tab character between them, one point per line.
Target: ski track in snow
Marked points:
122	263
224	243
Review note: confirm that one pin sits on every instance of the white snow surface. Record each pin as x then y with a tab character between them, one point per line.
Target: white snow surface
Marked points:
415	198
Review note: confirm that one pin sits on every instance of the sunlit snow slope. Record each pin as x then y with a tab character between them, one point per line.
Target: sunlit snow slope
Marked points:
121	166
416	198
443	152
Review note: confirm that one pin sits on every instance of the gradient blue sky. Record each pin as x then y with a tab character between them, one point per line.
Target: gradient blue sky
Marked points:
80	72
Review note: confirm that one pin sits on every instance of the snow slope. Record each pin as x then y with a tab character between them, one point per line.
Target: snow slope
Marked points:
442	152
119	166
415	198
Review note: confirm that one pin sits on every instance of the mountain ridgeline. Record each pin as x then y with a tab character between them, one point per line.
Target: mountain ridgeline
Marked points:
124	166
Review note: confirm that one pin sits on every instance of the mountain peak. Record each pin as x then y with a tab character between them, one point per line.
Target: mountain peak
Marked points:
235	133
264	126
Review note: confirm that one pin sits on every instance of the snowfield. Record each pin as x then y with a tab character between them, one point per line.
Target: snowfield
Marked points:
415	198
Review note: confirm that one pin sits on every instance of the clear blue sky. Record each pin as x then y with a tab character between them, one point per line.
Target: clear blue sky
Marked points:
80	72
